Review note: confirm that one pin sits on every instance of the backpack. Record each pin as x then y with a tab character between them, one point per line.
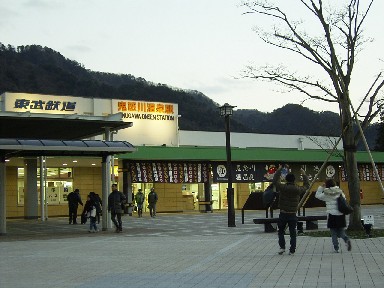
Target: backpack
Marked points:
71	198
343	206
269	195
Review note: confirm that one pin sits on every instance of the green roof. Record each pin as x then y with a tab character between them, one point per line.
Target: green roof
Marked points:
188	153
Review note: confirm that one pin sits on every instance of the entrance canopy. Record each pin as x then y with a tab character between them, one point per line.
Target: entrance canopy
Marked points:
28	125
42	134
33	134
22	148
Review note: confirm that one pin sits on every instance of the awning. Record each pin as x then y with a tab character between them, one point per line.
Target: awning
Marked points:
57	126
25	147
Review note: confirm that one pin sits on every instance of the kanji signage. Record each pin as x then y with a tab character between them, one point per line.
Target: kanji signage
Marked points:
263	172
366	172
168	172
146	110
241	172
50	105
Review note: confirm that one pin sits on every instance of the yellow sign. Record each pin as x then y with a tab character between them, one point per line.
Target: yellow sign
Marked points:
148	107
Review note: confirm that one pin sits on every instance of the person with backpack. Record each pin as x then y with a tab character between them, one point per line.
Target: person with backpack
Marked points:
329	192
90	211
152	200
74	200
97	200
139	198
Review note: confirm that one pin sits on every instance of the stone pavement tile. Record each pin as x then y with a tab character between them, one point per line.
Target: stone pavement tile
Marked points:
169	251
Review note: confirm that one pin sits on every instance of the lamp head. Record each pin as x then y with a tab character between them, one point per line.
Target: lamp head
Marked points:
226	110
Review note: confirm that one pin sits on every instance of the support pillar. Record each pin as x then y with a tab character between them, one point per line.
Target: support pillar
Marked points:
208	194
31	210
127	189
106	184
3	197
42	189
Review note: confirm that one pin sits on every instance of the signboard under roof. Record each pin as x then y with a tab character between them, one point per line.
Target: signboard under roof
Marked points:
154	123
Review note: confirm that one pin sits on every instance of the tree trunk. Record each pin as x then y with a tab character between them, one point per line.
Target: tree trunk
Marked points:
354	190
351	164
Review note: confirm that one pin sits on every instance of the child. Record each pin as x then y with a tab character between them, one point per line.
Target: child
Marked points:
90	211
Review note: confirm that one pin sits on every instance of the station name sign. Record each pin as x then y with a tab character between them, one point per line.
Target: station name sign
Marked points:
50	105
146	110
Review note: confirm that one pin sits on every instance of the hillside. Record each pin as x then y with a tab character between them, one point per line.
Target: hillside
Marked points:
36	69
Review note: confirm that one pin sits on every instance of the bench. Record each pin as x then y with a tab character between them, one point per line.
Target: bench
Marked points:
208	206
311	222
255	202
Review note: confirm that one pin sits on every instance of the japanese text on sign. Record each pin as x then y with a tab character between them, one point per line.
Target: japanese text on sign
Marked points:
45	105
366	172
168	172
148	107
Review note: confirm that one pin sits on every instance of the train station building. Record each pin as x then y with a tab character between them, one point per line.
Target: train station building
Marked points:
55	144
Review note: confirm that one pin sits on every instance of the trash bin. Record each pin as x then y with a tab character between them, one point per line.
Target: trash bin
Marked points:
367	228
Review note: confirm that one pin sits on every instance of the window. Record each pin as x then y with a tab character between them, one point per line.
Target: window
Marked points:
58	184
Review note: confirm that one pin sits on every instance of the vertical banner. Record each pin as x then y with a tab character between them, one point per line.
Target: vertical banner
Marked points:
366	172
168	172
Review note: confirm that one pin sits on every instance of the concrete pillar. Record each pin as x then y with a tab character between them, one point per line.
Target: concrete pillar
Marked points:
30	189
106	184
127	188
3	198
208	193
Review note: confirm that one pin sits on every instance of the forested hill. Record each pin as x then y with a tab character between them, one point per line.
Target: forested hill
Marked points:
41	70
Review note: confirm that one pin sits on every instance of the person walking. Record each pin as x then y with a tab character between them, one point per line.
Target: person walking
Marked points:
97	202
329	192
289	198
115	202
152	200
139	198
90	209
74	200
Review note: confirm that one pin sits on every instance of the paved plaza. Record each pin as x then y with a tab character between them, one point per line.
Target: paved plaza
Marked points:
182	250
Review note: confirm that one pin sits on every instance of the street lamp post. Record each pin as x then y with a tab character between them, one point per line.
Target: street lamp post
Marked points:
226	111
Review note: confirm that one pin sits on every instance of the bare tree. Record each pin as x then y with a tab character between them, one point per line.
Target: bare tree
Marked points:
334	51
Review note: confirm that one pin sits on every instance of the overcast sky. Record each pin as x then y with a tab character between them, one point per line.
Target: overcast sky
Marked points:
190	44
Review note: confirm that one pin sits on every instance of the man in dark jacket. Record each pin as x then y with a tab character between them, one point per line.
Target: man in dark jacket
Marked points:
74	200
115	202
152	200
289	198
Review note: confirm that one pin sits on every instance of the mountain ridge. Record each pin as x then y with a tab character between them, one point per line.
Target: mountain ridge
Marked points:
42	70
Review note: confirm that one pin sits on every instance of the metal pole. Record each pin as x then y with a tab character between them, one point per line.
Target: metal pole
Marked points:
230	193
45	187
42	190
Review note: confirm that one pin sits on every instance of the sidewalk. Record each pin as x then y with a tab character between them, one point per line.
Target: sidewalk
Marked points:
182	250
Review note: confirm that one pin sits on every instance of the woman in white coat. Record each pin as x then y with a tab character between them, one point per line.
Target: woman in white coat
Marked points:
329	193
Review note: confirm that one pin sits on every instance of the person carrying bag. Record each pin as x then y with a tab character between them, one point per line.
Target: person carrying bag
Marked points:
329	192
